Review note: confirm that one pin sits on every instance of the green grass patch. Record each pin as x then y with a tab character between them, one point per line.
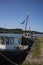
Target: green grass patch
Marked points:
36	51
27	63
40	39
32	64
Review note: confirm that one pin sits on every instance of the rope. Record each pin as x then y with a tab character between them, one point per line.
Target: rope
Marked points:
8	59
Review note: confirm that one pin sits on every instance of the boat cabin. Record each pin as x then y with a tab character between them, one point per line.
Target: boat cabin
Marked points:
27	35
8	41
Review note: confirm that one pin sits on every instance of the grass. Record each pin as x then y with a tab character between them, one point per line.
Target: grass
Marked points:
27	63
40	39
32	64
36	52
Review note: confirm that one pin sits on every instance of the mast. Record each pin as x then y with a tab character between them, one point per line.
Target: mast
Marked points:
26	22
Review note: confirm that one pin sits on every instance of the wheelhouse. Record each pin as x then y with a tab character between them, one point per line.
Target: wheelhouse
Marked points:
27	35
8	41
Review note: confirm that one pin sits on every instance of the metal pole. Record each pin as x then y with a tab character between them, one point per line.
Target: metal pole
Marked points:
26	22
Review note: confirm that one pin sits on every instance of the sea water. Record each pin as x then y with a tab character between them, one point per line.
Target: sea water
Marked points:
17	36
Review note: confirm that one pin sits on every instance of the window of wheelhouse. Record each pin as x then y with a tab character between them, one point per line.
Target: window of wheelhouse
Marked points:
7	40
11	40
1	39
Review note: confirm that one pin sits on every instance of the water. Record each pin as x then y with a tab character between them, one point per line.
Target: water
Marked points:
37	34
10	35
17	36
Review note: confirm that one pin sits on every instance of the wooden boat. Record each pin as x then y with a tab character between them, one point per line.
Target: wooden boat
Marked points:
15	54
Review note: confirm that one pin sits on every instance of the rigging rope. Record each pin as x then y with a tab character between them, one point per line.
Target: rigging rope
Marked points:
8	59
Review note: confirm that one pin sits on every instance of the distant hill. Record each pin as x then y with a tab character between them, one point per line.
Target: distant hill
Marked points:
20	31
4	30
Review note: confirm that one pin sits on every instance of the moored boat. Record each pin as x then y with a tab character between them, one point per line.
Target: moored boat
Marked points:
16	53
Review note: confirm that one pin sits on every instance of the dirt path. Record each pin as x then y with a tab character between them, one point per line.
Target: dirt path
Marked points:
32	59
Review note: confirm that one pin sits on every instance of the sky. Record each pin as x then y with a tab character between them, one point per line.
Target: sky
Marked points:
14	12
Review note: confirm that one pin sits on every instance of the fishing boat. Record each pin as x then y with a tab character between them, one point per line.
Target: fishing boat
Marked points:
17	53
9	53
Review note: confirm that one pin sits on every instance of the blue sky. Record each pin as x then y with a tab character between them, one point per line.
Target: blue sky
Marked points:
13	12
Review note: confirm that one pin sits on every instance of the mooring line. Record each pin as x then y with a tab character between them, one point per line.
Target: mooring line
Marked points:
8	59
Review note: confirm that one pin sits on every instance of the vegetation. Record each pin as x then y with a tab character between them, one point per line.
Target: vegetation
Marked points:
32	64
3	30
36	52
40	39
20	31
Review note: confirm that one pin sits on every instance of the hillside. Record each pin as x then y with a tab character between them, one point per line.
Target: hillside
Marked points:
20	31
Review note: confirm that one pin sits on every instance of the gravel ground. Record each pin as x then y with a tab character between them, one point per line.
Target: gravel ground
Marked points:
32	59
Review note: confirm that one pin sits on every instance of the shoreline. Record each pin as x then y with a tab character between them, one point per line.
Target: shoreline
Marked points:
37	59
